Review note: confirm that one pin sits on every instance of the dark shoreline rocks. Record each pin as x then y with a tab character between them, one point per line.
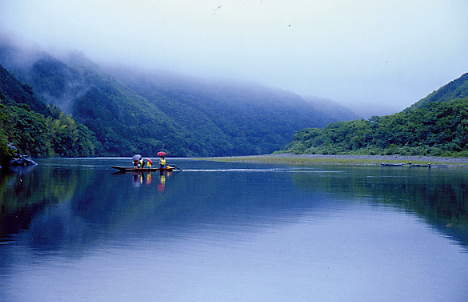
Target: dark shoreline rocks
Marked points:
22	161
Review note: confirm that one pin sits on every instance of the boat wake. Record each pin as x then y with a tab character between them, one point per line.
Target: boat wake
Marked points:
274	170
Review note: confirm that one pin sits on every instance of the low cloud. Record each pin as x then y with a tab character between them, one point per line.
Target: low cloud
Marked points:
378	55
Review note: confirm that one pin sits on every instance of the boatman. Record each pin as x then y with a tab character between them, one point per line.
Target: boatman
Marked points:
162	162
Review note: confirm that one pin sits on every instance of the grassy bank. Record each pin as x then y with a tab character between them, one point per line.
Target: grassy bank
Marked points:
304	160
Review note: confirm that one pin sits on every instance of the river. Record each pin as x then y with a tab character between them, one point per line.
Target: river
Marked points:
73	230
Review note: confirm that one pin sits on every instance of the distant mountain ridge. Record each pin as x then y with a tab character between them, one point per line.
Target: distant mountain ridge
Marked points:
435	125
132	111
14	92
456	89
251	119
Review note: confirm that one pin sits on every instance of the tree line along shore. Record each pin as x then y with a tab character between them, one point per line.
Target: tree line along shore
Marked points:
437	125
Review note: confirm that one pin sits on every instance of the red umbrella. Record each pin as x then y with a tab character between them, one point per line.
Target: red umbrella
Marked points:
161	153
149	160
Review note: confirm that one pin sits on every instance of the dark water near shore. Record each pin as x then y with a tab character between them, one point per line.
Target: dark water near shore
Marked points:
71	230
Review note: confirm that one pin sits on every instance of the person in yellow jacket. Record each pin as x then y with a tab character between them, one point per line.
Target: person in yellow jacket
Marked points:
162	162
148	162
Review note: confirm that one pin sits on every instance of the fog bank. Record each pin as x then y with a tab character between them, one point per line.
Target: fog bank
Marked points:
373	56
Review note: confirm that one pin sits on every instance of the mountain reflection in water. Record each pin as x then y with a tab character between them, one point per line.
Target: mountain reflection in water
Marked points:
275	230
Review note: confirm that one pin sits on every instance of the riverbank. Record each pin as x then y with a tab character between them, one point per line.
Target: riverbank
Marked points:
363	160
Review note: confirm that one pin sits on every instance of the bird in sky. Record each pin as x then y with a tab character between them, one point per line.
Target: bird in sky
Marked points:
217	8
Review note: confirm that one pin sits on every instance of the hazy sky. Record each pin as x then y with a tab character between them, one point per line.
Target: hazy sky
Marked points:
379	55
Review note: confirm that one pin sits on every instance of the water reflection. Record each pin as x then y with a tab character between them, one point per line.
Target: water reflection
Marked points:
438	196
97	198
24	192
101	205
251	232
146	178
70	208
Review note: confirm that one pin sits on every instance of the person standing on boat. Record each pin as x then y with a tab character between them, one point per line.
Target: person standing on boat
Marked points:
162	162
162	159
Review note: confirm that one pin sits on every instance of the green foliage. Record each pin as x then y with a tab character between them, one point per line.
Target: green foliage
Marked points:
126	124
143	117
439	129
14	92
27	130
70	139
456	89
228	119
135	112
46	132
436	125
5	152
39	136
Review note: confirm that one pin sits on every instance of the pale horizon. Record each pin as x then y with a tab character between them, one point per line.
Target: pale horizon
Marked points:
374	58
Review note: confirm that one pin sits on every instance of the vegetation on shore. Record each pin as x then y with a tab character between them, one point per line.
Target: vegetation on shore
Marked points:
28	126
436	126
456	89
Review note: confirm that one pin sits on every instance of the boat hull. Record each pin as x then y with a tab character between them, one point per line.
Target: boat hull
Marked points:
129	169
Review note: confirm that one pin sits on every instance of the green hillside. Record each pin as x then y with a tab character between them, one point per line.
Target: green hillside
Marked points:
36	129
456	89
14	92
229	118
436	125
131	111
126	123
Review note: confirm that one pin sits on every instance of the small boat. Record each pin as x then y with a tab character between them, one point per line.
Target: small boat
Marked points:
421	165
131	169
411	165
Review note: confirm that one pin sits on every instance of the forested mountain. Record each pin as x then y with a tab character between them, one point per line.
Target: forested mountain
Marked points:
436	125
456	89
132	111
13	92
31	127
243	118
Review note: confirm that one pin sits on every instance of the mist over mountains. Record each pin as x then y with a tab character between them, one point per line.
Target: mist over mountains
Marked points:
435	125
29	126
133	111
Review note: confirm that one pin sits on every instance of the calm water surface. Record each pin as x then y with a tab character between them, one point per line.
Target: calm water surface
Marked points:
71	230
